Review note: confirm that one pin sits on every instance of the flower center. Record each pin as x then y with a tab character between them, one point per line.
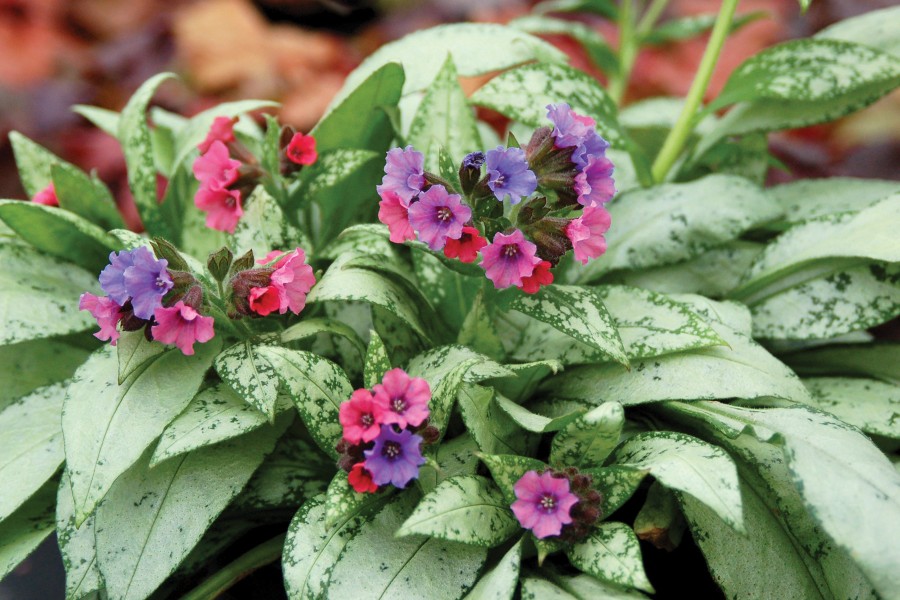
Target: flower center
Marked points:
367	420
391	450
510	250
444	214
160	283
398	405
548	503
500	180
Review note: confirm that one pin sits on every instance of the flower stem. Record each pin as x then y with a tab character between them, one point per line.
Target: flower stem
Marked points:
260	556
677	138
650	17
627	51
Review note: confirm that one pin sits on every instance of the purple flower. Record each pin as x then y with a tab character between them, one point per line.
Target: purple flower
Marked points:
404	173
571	130
473	160
438	216
594	184
508	174
395	458
136	274
112	278
543	503
593	146
508	259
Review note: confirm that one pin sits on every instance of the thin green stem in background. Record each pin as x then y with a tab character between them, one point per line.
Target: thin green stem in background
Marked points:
243	566
651	16
677	138
627	51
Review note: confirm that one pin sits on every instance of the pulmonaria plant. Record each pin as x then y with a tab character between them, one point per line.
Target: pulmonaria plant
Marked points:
557	504
384	431
496	218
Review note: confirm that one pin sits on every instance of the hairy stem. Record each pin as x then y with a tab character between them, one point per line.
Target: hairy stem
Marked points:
243	566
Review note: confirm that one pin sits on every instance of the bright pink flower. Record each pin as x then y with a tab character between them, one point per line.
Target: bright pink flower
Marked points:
361	417
46	196
107	313
223	206
271	256
541	276
393	211
466	248
215	166
438	216
594	184
264	300
586	233
361	480
302	149
222	130
181	325
293	279
404	398
508	259
543	503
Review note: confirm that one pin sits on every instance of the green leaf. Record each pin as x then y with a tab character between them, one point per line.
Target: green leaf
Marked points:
39	307
523	94
59	233
500	582
807	199
690	465
581	587
33	446
314	326
660	521
742	369
377	361
108	426
588	440
106	120
444	119
675	222
492	429
134	134
341	500
875	28
612	554
616	484
263	227
86	196
687	27
77	546
23	531
214	415
134	350
468	509
28	366
879	360
34	163
727	312
530	421
590	39
606	8
252	372
871	405
507	469
153	517
452	294
577	312
525	379
451	458
414	566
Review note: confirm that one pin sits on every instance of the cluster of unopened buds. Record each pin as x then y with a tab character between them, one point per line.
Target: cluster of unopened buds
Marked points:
228	172
162	297
384	430
519	244
560	504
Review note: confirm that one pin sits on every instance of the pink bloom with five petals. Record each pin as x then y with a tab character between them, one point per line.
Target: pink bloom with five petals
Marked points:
508	259
216	167
223	206
403	398
181	325
293	279
586	233
393	211
221	130
106	311
543	503
361	417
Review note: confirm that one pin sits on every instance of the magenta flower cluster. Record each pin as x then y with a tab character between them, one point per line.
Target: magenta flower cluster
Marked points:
557	503
517	246
381	444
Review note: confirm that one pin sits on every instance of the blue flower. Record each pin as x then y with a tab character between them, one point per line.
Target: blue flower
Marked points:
146	281
112	278
509	175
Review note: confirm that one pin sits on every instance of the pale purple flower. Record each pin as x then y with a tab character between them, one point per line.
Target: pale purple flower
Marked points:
146	282
404	399
594	184
508	259
571	130
586	233
438	216
112	277
593	146
404	173
543	503
395	458
509	175
473	160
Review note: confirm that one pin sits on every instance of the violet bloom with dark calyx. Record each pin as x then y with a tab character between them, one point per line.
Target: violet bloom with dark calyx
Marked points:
438	216
543	503
508	259
395	458
147	281
509	175
569	128
404	173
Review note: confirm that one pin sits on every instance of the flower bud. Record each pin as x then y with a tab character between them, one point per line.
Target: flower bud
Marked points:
549	234
470	171
247	261
219	262
240	286
163	249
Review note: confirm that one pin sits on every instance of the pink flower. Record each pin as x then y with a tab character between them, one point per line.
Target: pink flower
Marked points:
223	206
438	216
46	196
107	313
215	166
466	248
222	130
508	259
393	211
264	300
360	479
403	398
541	276
543	503
594	184
292	279
181	325
302	149
361	417
586	233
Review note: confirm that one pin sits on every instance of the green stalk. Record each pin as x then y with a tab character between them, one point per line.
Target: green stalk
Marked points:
627	51
677	138
243	566
650	17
